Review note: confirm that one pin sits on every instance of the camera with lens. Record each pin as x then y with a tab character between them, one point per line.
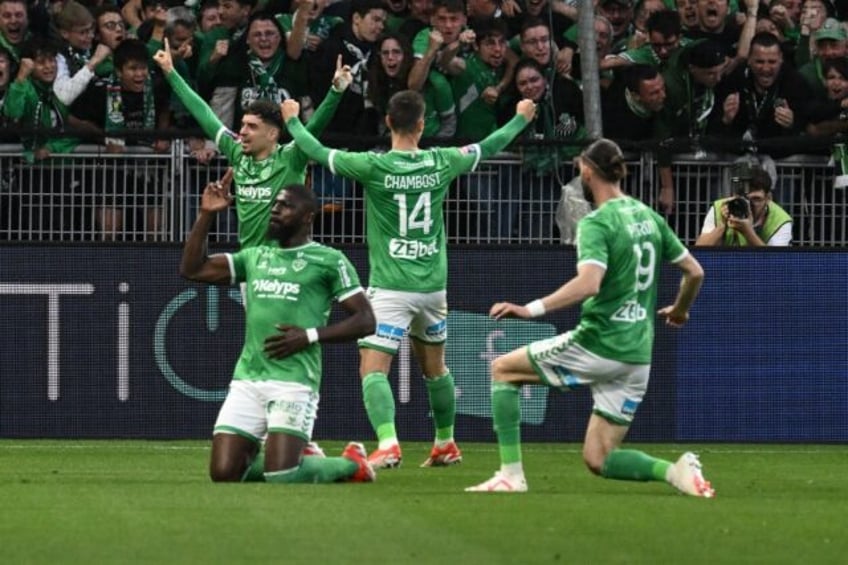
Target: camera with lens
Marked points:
741	174
738	207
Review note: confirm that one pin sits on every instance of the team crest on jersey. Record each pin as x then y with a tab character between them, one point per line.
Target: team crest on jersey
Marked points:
299	263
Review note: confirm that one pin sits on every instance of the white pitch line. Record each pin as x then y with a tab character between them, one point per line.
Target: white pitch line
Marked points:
486	449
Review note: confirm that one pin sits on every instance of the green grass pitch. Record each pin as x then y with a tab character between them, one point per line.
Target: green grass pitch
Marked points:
139	501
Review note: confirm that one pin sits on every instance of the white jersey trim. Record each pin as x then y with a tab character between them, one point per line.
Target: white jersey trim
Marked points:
232	265
218	135
681	257
330	160
348	294
479	153
600	264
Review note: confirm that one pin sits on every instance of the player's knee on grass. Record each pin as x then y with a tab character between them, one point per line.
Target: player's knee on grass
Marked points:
593	457
231	456
222	470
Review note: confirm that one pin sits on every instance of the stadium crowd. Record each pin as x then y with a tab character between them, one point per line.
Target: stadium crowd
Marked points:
746	70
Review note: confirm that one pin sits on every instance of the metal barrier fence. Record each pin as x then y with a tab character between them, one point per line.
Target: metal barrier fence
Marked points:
141	196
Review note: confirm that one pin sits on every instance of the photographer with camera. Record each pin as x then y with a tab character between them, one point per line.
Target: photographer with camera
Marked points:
749	217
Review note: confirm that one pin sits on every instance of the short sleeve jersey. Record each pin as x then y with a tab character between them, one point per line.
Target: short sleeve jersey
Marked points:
630	241
405	192
257	183
476	118
293	286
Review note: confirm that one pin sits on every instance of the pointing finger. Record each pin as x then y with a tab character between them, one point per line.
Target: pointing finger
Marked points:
227	179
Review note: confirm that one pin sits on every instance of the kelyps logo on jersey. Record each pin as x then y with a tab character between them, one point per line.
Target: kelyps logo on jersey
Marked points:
268	288
254	192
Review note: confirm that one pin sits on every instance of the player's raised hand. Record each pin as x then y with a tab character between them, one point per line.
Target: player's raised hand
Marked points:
343	77
101	52
510	8
508	310
526	108
163	58
25	69
435	40
289	108
216	195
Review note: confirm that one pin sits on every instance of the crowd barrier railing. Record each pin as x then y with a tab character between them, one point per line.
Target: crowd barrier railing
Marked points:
139	195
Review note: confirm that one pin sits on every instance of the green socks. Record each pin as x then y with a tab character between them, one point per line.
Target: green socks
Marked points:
633	465
443	404
506	413
256	471
315	470
380	405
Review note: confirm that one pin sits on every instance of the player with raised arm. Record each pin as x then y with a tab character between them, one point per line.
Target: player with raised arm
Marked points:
291	284
262	166
620	248
405	191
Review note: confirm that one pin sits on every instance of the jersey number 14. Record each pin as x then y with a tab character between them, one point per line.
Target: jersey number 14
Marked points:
420	218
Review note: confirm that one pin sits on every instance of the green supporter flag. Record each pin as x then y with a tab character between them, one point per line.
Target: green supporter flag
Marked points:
474	340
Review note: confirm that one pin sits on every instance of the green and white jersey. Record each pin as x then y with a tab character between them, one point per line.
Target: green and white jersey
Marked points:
256	182
405	192
475	118
630	241
294	286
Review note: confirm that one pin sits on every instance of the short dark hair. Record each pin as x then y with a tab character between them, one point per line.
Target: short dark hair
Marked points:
635	75
527	63
105	9
266	111
264	15
38	46
362	7
449	5
760	180
840	65
531	22
664	22
765	39
606	159
489	27
304	194
405	108
131	50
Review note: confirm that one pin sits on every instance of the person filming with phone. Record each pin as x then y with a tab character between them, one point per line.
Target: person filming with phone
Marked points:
749	217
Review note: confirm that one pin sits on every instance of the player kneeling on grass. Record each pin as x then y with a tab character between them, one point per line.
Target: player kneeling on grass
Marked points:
291	283
620	247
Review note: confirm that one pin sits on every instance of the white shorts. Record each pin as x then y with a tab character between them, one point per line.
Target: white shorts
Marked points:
423	314
254	408
617	388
